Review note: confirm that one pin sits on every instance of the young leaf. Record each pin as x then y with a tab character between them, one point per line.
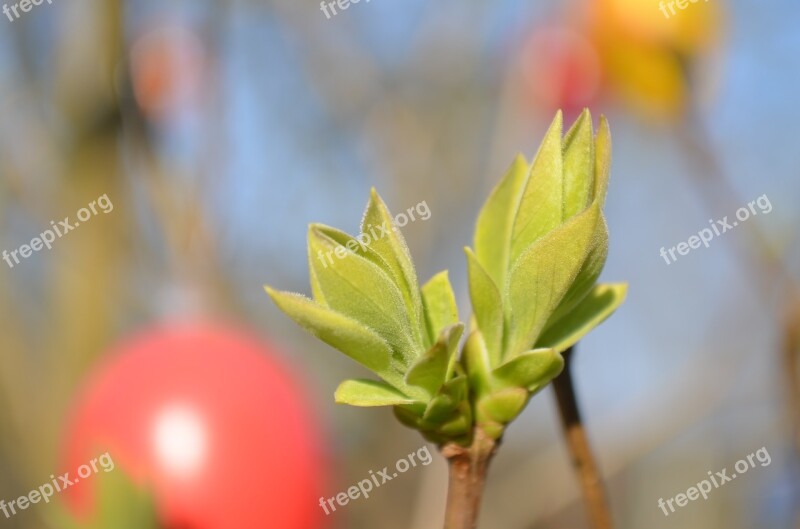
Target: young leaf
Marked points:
542	275
602	167
368	393
488	307
439	304
431	369
356	287
387	241
456	388
496	222
591	312
476	361
541	207
351	244
439	409
578	165
589	273
347	335
593	265
530	369
503	405
316	289
457	427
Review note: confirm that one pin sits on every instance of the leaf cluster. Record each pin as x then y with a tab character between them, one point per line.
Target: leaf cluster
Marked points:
540	244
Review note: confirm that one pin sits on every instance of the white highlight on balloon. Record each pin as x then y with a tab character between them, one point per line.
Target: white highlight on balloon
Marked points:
180	440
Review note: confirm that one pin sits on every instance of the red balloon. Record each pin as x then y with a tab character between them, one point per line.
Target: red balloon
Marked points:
168	70
211	422
561	68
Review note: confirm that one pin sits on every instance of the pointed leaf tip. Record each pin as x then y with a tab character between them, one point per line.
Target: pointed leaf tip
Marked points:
368	393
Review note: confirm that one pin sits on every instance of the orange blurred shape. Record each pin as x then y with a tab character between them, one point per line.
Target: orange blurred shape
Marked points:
561	69
647	55
168	66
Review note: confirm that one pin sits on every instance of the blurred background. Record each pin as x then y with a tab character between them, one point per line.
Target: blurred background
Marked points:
220	130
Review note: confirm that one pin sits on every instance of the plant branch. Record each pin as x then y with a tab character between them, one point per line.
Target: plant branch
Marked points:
468	468
791	362
578	443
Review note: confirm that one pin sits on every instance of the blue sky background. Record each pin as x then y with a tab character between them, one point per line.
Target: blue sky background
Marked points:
683	377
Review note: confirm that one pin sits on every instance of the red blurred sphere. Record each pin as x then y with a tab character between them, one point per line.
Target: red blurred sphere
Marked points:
211	422
169	66
561	69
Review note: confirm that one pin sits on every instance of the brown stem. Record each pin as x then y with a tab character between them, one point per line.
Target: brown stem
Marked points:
468	468
578	443
791	359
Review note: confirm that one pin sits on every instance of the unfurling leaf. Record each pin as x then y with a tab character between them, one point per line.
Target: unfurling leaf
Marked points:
488	306
347	335
369	393
542	276
541	206
432	369
496	222
354	286
532	369
386	240
439	304
601	302
503	405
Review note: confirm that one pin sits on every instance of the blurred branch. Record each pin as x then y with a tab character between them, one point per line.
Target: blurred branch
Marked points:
74	287
583	460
